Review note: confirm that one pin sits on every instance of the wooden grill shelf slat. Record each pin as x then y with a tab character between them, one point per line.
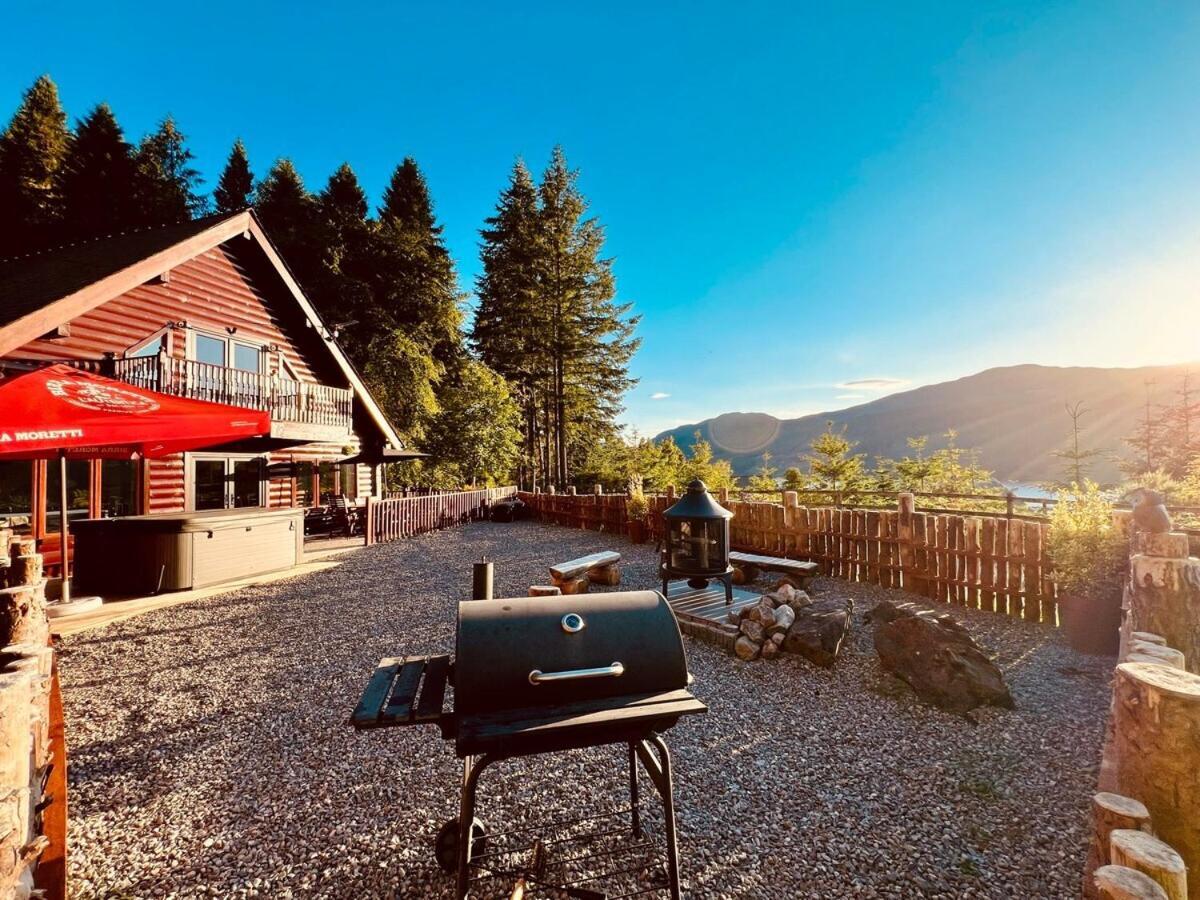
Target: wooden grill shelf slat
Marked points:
391	697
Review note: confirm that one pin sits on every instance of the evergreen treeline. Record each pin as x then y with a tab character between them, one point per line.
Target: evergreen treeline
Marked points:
539	382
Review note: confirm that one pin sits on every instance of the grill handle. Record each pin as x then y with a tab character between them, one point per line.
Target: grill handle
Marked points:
537	676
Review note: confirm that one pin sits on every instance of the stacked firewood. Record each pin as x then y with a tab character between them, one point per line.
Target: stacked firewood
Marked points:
763	626
26	661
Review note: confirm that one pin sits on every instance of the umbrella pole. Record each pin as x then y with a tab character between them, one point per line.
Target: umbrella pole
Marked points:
62	506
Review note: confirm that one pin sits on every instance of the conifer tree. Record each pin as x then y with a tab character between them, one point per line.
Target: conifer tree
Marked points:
32	149
591	335
235	187
343	293
98	178
166	180
509	328
416	286
290	215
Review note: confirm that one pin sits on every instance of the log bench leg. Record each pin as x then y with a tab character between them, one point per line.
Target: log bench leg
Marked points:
573	585
606	575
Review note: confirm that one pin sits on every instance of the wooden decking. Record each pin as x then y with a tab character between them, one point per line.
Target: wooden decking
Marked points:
708	604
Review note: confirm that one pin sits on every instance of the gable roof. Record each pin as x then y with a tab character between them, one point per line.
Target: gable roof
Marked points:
41	291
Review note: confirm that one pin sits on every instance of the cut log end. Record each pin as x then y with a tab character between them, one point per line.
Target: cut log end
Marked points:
1150	856
1123	883
544	590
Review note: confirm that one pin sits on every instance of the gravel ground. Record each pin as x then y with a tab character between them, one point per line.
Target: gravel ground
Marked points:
210	754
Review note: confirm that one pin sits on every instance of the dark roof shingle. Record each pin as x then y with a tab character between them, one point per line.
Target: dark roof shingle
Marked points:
27	283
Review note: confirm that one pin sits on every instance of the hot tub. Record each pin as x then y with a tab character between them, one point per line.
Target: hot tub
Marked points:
184	550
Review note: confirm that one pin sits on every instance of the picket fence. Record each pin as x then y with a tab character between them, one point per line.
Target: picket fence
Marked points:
403	517
989	562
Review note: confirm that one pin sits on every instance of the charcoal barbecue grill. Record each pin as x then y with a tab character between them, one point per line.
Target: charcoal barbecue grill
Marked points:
535	675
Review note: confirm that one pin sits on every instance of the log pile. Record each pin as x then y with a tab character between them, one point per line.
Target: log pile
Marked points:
787	620
26	665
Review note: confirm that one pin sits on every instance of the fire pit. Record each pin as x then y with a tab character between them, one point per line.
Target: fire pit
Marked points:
539	675
697	541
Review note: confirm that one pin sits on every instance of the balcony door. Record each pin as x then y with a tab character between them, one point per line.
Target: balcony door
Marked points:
226	482
229	370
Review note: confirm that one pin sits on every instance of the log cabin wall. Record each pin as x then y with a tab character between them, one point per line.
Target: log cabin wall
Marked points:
223	288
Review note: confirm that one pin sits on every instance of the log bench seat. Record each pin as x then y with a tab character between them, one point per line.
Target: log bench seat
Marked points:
575	576
746	567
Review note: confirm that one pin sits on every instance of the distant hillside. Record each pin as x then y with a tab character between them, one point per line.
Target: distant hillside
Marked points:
1014	415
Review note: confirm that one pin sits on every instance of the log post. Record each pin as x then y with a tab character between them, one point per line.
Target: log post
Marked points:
722	496
1121	883
1164	593
1110	812
1150	856
1156	721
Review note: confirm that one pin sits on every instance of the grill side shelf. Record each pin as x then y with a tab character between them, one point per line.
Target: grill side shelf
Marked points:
391	697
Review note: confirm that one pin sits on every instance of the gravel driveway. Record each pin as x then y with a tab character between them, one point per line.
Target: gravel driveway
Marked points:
210	756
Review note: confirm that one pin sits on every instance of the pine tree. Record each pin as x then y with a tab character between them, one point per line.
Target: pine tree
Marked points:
1077	459
416	285
343	291
591	335
166	180
235	187
32	150
1181	434
509	326
1147	439
98	178
832	462
290	215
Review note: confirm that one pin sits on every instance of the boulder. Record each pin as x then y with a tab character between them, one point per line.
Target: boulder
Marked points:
819	630
769	650
785	617
746	649
753	630
939	660
778	638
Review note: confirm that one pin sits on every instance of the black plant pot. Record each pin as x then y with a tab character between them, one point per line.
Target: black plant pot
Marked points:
1092	623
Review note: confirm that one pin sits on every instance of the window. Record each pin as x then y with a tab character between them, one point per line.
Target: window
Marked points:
304	480
118	487
16	494
328	481
349	479
209	349
78	492
226	482
246	357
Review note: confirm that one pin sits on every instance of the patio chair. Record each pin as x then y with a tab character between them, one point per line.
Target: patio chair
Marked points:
346	518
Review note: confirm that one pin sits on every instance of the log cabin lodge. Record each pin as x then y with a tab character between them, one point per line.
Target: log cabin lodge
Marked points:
205	309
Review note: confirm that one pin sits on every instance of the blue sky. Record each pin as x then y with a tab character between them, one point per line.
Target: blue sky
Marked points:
817	205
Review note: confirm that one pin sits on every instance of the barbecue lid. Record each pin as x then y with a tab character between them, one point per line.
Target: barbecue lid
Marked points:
528	652
697	503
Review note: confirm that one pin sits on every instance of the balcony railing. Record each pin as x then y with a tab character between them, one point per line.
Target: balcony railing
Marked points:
286	400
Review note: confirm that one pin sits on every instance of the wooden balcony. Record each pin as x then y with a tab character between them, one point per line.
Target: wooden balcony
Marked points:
299	410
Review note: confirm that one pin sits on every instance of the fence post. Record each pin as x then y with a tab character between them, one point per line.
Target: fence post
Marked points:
598	490
791	503
723	496
369	528
670	493
1008	502
906	505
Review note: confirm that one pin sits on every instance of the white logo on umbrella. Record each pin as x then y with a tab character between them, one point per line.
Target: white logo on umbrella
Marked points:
100	397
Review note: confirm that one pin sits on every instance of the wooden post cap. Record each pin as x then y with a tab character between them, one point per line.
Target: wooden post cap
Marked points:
1148	637
1164	679
1170	545
1123	883
1150	856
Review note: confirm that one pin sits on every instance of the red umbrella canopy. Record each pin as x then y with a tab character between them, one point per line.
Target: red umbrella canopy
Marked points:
89	416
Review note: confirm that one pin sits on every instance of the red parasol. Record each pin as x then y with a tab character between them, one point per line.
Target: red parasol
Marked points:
66	413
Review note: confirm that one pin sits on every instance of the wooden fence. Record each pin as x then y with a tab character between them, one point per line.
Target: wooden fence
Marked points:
395	519
988	562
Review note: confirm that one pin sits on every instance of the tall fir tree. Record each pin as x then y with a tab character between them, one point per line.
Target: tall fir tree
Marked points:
291	216
509	329
235	187
98	178
32	150
167	182
591	334
416	284
343	293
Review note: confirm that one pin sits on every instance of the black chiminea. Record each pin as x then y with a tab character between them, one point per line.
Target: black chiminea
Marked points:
697	541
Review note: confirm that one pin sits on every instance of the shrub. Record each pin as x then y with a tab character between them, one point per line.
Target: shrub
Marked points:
1088	552
636	505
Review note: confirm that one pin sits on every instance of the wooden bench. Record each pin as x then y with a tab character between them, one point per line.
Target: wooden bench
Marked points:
746	567
574	577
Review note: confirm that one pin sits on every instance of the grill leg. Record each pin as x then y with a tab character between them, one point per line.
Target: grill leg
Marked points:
472	768
658	767
633	792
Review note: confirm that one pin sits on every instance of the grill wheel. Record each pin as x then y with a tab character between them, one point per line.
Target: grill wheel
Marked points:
446	846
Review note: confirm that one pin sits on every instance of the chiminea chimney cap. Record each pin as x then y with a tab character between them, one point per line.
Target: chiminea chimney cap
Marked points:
697	503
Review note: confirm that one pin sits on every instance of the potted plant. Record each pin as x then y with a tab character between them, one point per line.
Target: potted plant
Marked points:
1089	556
636	508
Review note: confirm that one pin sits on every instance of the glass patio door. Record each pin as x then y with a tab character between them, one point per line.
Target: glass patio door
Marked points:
226	482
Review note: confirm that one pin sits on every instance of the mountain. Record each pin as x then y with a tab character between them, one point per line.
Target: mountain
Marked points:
1014	415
